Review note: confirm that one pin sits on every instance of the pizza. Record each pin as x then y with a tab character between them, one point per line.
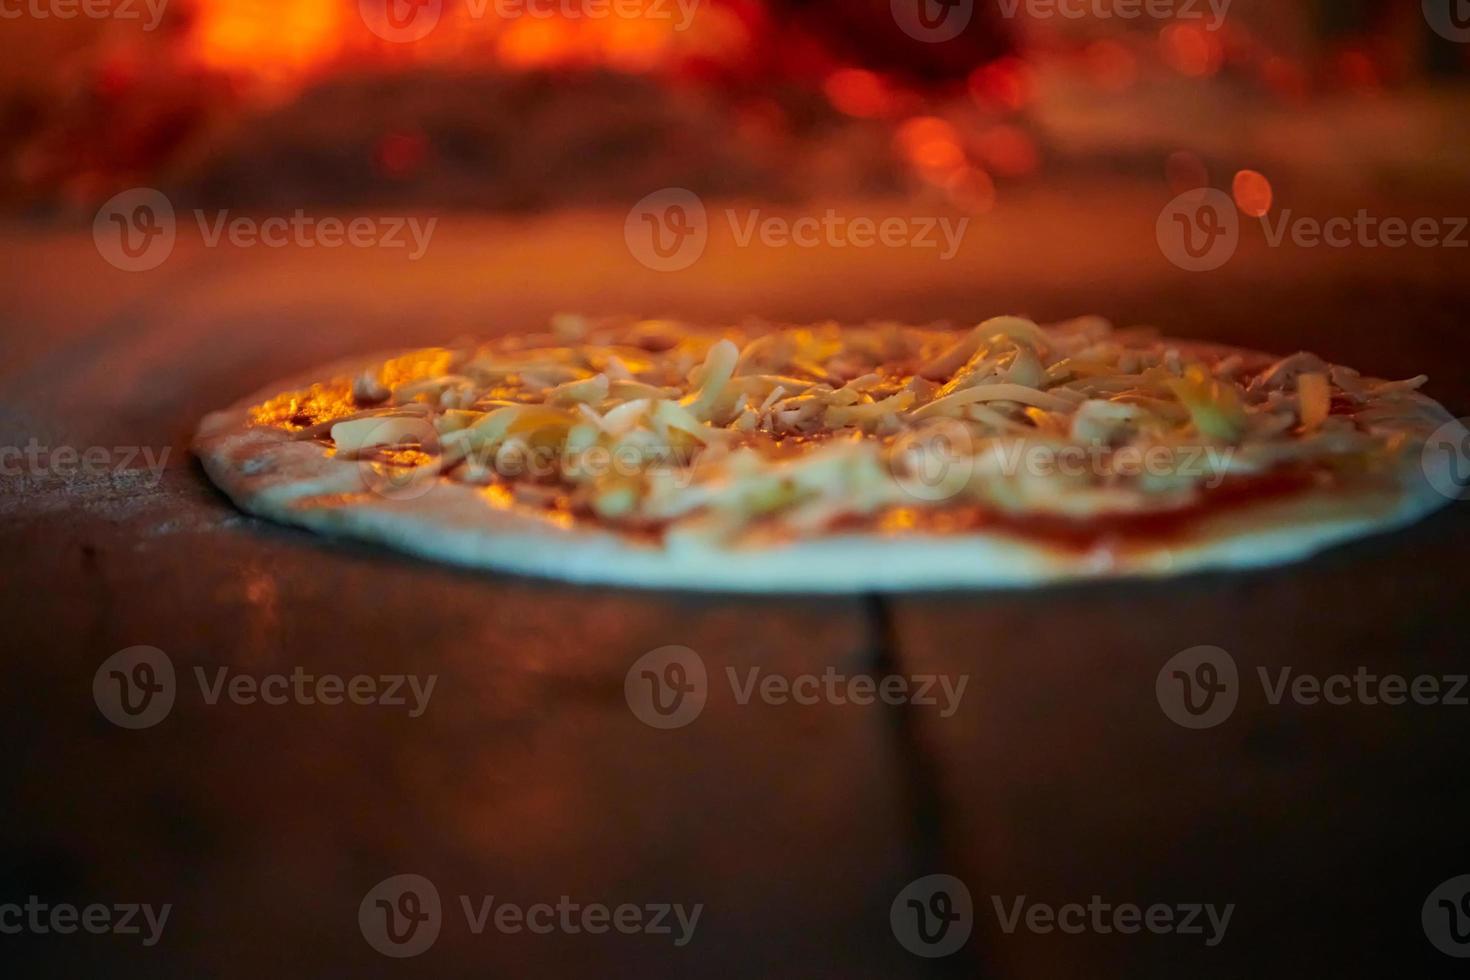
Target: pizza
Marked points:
829	458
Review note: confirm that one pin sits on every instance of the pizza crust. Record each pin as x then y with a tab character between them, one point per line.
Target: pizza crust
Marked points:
268	473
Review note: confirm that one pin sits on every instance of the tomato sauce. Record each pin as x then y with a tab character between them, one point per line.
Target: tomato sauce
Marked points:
1084	534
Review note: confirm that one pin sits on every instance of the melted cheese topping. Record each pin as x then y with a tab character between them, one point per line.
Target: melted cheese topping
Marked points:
701	434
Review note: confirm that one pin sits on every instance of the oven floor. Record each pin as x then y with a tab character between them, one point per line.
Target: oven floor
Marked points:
526	777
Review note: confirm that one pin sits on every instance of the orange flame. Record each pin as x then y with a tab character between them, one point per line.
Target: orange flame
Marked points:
284	40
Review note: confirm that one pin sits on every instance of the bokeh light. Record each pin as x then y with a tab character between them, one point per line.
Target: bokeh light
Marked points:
1253	193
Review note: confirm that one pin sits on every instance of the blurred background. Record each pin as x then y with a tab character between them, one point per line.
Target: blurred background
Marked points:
542	136
480	104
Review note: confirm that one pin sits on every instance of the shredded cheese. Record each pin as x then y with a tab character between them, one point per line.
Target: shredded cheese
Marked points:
710	434
1315	395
